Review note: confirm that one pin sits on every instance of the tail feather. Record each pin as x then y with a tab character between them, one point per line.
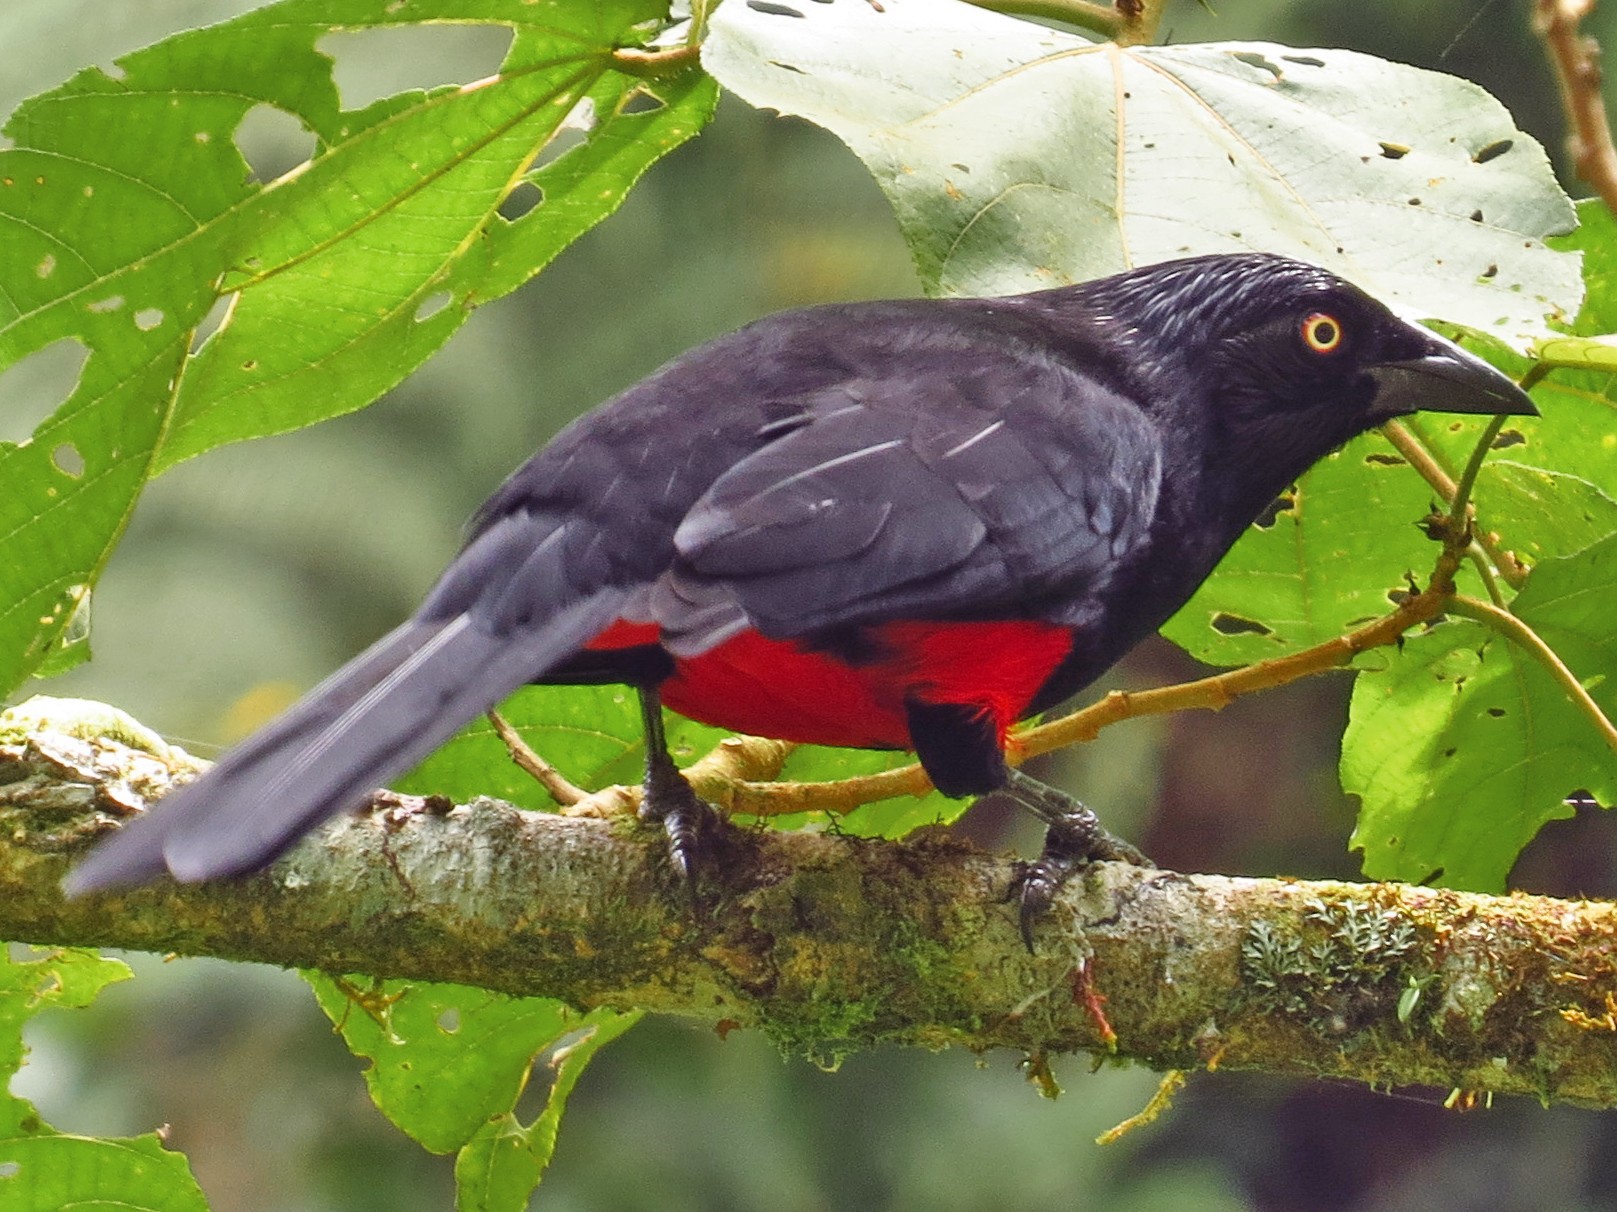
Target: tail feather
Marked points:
377	716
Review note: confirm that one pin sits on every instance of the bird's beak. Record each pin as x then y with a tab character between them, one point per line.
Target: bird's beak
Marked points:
1442	377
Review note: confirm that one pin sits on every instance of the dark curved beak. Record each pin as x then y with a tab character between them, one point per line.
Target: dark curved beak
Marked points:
1442	377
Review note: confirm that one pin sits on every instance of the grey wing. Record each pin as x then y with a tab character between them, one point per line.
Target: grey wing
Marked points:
1020	497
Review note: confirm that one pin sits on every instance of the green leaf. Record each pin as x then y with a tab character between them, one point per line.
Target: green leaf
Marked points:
1543	513
126	211
1414	184
447	1060
1578	353
1596	239
1345	539
499	1168
1462	746
42	1170
448	1064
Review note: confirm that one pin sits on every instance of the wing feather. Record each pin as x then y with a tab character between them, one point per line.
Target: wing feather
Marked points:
1023	481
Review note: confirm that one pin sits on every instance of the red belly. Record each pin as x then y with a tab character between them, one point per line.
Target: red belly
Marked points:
777	689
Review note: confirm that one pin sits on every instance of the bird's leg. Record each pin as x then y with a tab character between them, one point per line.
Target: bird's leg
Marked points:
669	798
1074	839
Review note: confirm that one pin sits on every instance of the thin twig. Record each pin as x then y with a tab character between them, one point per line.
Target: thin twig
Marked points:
1520	633
1421	459
547	776
1103	19
1485	570
1460	502
1453	492
657	64
1576	60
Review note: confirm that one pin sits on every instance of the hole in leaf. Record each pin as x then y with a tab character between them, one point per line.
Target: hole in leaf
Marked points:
1394	151
1509	437
148	318
572	131
522	198
68	460
1281	504
376	63
1377	458
1493	151
1496	712
1305	60
773	10
432	305
641	101
1414	201
1261	62
1432	877
273	142
218	316
1476	216
1233	624
449	1021
34	387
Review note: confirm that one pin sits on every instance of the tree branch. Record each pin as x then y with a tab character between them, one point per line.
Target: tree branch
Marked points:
1576	60
831	944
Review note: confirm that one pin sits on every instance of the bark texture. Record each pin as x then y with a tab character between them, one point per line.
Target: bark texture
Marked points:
831	944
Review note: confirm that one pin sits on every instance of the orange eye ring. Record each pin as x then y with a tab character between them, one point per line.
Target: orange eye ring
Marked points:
1321	332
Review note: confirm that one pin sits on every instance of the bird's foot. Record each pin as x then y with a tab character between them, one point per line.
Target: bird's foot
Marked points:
691	825
1075	839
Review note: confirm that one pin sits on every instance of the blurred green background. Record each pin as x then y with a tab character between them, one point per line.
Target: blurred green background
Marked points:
251	573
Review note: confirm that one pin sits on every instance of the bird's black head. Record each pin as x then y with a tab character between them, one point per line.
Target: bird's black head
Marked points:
1285	361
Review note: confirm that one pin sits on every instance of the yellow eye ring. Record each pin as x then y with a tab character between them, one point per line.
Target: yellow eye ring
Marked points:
1322	333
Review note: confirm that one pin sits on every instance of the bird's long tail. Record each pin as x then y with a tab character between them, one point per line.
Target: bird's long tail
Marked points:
377	716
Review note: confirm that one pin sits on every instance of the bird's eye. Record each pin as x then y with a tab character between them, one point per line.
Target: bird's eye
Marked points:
1322	333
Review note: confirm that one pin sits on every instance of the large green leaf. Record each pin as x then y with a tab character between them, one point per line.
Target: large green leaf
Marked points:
43	1170
1344	539
1461	745
448	1064
1415	184
126	211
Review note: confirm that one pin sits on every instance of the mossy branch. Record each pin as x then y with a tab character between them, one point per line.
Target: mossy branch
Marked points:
833	944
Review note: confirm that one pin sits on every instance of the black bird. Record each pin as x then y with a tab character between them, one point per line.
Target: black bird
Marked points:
897	525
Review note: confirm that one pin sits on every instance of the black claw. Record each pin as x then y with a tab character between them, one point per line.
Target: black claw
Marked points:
689	827
1075	839
1034	888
